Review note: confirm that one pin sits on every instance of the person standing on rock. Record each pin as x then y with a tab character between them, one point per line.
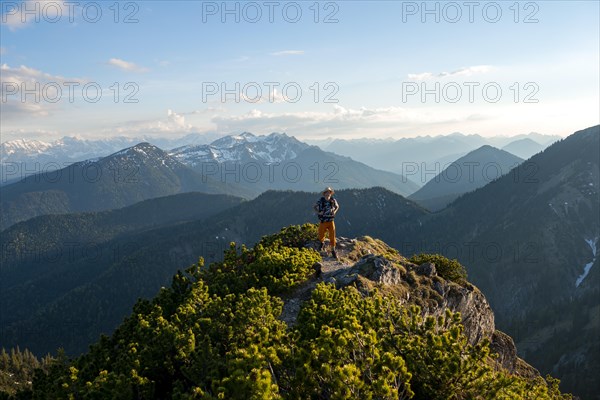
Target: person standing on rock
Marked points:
326	208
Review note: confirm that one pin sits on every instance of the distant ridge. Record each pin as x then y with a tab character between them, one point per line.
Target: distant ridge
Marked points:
472	171
524	148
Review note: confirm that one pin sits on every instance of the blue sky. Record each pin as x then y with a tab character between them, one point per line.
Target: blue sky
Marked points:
364	69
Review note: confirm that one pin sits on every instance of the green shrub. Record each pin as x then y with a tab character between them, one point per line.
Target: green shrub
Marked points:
448	269
278	263
292	236
280	268
351	346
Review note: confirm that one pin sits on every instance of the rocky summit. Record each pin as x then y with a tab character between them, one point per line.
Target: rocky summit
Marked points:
369	264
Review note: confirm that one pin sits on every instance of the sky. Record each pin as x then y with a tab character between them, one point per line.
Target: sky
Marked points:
340	69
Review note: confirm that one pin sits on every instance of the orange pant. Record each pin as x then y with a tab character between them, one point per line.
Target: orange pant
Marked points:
324	227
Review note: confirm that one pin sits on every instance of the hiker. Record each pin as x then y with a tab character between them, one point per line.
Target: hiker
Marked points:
326	209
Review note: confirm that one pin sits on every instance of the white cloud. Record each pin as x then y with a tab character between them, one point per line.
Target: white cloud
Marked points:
29	134
177	120
24	73
12	16
126	65
16	102
288	53
465	71
207	110
174	123
421	77
20	14
339	121
18	110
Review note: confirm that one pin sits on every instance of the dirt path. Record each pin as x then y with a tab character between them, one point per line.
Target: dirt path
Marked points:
329	267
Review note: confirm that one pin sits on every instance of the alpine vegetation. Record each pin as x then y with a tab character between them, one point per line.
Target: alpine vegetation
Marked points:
279	321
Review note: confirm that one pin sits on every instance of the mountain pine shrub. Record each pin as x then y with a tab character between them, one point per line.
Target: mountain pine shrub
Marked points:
448	269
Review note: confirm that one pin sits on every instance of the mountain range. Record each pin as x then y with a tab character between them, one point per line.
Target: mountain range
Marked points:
422	158
528	239
278	161
21	157
73	149
131	175
244	165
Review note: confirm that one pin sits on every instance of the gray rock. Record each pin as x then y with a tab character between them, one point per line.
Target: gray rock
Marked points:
318	268
427	269
331	279
375	268
346	279
504	346
476	314
438	287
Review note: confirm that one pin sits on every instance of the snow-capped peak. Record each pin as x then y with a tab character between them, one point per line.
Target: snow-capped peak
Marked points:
245	147
23	146
234	140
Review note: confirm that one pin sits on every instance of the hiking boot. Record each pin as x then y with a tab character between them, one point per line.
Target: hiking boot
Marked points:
334	254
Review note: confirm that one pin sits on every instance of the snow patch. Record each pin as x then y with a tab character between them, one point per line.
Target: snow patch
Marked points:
588	266
553	209
121	152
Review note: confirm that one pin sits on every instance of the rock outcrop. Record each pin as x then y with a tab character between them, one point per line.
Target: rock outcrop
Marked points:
370	264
